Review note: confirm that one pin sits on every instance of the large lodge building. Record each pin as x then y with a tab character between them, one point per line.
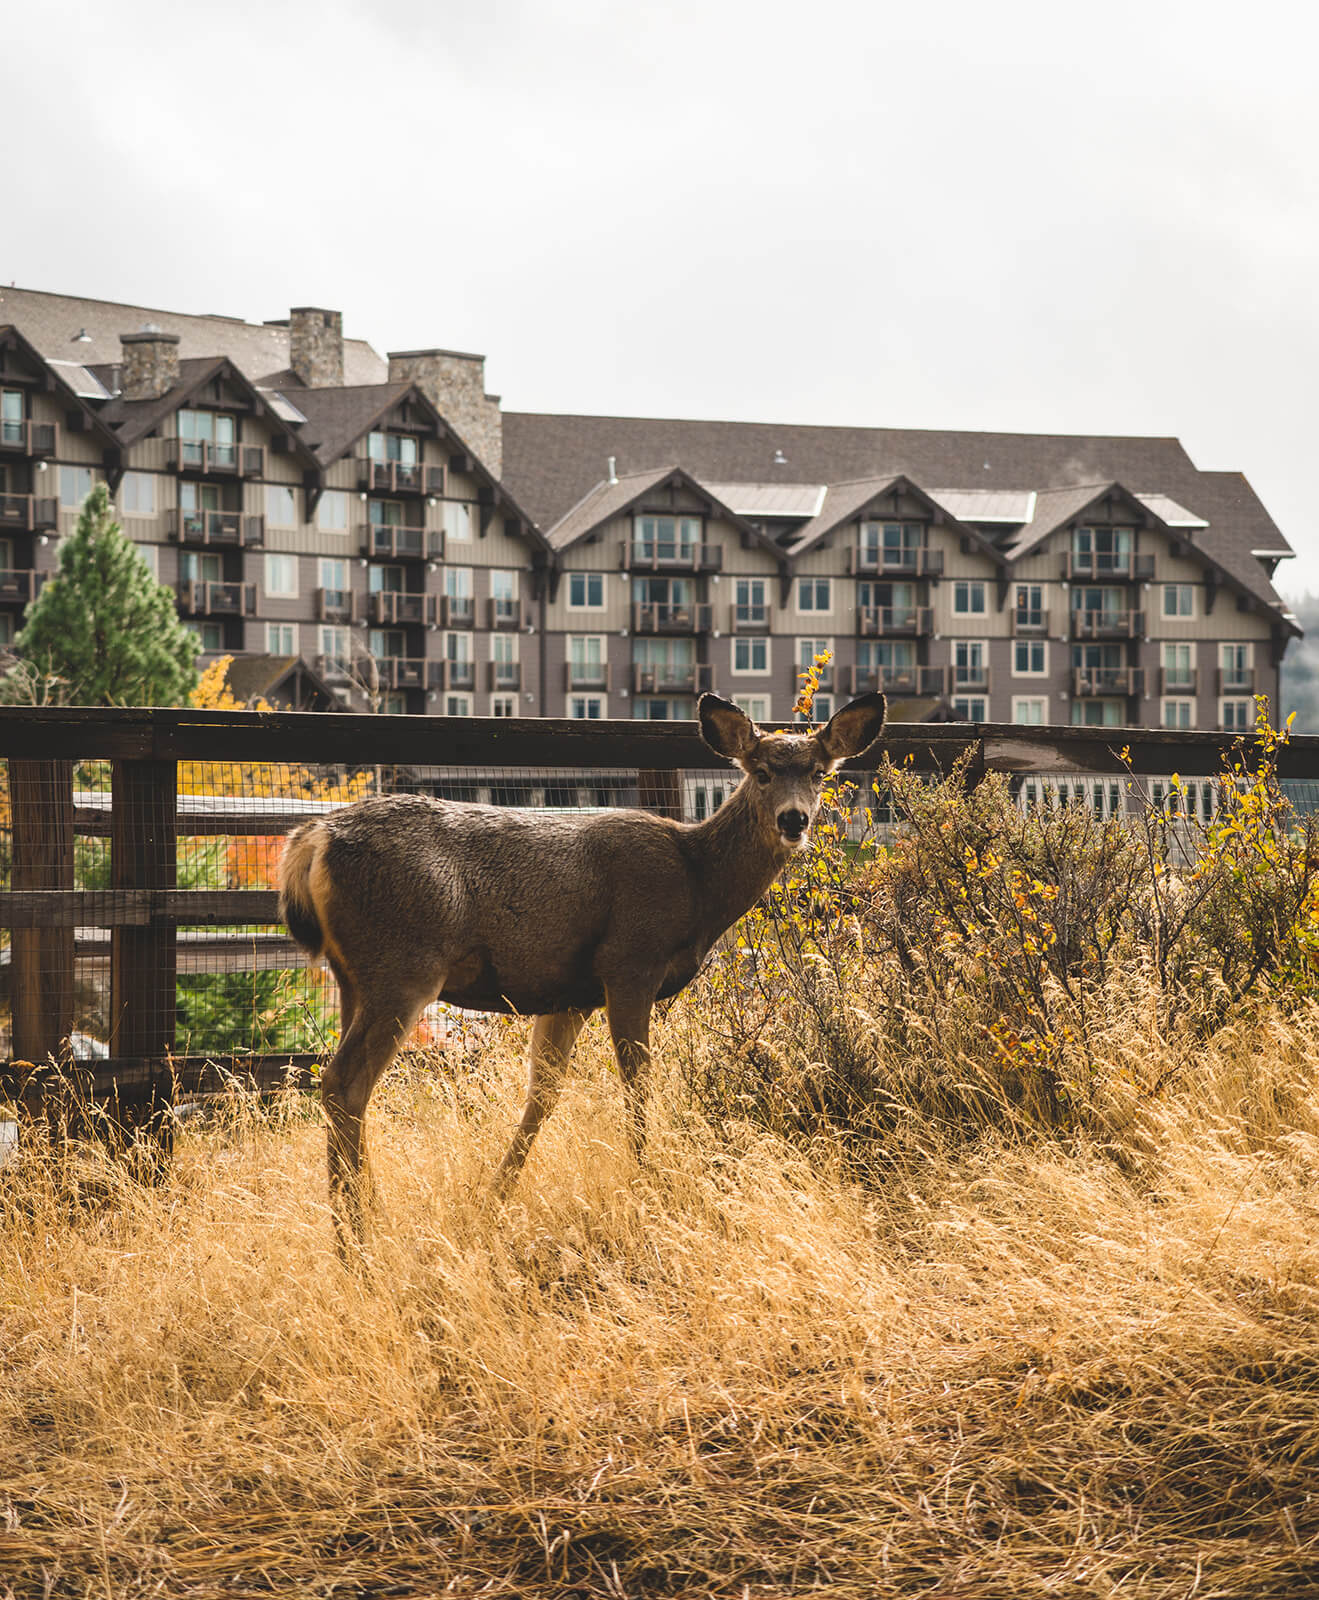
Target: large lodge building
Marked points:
368	531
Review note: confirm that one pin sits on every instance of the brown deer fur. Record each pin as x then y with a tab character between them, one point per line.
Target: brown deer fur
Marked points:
410	899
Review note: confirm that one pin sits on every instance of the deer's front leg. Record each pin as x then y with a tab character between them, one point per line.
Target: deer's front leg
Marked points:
628	1009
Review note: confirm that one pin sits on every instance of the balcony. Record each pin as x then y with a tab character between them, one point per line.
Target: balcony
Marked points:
676	677
17	588
1088	681
1179	680
749	618
586	675
658	617
201	458
1031	623
398	477
28	513
826	683
1108	624
200	599
1097	568
457	611
399	606
920	563
504	675
446	675
894	622
336	605
1236	680
504	616
925	681
400	542
402	672
37	439
226	528
634	556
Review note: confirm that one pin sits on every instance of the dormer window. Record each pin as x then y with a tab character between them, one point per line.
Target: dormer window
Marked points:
11	416
208	434
400	447
1103	550
661	540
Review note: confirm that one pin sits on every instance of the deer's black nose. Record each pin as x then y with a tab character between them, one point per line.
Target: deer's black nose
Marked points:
792	824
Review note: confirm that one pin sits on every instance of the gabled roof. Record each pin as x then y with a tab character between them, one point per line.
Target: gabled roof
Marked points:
843	502
54	321
612	497
132	420
261	677
11	338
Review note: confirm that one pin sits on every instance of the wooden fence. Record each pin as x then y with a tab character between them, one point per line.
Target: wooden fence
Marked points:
141	913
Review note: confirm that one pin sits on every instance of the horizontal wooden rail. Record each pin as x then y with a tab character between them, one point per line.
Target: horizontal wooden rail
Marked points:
137	908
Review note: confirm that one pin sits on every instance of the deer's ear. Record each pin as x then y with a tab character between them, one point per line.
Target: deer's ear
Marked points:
853	729
726	728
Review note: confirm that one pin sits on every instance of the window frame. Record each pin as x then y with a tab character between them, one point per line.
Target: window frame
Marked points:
274	557
968	589
1030	645
750	641
587	578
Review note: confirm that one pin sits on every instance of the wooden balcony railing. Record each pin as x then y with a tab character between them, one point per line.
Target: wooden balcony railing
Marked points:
896	563
749	618
18	587
336	605
457	611
662	556
401	542
208	599
28	513
657	617
40	440
1108	624
403	672
1096	567
586	674
1236	680
1179	680
504	616
209	460
452	675
400	606
229	528
398	477
894	622
968	680
924	681
504	675
677	677
1108	681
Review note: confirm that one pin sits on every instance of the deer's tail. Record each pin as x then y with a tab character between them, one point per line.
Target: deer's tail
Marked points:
296	905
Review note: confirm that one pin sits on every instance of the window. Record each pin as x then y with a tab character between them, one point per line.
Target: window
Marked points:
137	494
1102	550
666	538
968	598
1178	662
385	643
75	486
1032	709
458	583
282	638
756	706
970	667
281	506
1030	658
1238	716
456	519
1236	663
586	659
211	635
892	544
457	648
282	577
332	573
201	566
1179	599
971	707
150	554
335	649
208	433
586	591
749	601
822	709
332	511
457	705
814	594
586	707
1031	614
504	596
399	447
1178	714
751	655
395	704
503	647
503	705
11	416
383	577
1098	713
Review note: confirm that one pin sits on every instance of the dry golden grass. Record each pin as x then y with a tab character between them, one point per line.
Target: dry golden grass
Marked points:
1004	1369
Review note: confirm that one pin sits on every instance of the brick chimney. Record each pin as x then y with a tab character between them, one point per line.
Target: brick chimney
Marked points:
316	346
151	364
454	384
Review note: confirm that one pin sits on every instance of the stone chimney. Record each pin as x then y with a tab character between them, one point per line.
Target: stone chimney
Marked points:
454	383
151	364
316	346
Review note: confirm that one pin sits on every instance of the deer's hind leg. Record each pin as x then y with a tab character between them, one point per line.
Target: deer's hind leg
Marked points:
377	1022
552	1039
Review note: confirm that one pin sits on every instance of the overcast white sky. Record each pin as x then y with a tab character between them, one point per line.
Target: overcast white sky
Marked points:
956	215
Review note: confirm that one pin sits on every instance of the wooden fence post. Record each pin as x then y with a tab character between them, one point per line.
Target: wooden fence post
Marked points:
143	960
41	795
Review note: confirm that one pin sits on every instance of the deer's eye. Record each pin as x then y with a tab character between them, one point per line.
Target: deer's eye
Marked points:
817	777
762	777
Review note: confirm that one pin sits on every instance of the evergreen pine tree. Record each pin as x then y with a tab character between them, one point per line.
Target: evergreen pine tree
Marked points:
103	623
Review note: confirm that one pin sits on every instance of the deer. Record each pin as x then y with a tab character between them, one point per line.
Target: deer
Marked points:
409	899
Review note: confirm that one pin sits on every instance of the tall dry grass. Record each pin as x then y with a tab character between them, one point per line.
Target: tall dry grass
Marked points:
991	1364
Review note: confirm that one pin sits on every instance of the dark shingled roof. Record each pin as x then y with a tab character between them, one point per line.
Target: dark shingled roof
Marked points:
551	461
279	678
